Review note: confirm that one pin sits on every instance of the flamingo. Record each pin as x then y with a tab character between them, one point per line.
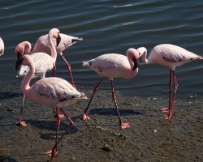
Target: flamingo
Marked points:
111	66
43	61
53	91
66	41
171	56
1	47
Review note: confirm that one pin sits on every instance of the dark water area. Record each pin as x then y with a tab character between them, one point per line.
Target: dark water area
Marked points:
106	26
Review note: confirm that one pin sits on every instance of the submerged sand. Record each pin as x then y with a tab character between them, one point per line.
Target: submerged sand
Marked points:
150	137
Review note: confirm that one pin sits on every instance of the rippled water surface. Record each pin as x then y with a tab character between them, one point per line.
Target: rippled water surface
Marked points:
108	26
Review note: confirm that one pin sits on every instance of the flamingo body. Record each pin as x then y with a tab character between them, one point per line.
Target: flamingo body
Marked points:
42	45
171	56
55	92
113	66
1	47
43	62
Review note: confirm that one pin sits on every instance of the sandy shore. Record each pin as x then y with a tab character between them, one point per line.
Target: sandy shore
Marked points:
150	138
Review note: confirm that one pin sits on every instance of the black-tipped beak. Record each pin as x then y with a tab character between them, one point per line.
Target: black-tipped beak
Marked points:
19	55
58	40
18	63
136	63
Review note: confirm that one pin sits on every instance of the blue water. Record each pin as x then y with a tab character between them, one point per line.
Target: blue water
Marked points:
109	26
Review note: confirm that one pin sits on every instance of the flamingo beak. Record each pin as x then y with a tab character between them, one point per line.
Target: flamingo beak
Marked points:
58	40
18	63
136	63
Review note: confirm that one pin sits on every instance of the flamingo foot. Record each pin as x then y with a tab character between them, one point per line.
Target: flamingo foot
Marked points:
125	125
167	116
165	109
61	116
21	123
86	117
51	154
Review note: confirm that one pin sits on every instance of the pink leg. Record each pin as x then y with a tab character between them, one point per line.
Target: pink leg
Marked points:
170	93
54	71
21	123
85	116
174	94
52	153
122	125
70	71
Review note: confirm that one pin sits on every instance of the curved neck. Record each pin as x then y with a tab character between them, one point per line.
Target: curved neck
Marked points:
25	84
28	47
52	47
143	53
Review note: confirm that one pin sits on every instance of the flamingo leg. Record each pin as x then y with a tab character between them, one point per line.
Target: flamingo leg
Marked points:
170	93
174	94
54	71
21	123
85	116
52	153
70	71
122	125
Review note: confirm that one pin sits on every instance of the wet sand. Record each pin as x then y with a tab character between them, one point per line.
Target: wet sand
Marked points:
150	138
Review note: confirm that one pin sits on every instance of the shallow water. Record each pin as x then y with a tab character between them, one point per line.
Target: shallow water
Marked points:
106	26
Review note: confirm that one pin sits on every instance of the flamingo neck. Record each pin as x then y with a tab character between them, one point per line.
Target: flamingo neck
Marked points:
28	47
25	84
143	53
52	48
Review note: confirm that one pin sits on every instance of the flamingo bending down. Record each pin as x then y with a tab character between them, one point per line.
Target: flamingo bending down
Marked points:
66	41
43	61
53	91
171	56
114	66
1	47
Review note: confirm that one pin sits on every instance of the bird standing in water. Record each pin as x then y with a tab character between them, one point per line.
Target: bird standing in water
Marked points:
112	66
171	56
53	91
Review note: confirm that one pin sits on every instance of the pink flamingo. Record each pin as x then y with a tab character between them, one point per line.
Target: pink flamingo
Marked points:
1	47
43	61
66	41
114	66
53	91
171	56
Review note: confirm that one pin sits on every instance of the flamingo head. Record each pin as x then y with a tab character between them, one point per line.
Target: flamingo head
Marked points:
18	63
55	34
19	51
133	56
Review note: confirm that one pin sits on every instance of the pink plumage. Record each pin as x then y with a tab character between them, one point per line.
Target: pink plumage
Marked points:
66	41
1	47
53	91
43	62
42	45
113	66
171	56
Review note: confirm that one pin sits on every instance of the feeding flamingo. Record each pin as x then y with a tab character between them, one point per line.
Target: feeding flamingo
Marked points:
66	41
1	47
42	45
43	61
114	66
171	56
53	91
